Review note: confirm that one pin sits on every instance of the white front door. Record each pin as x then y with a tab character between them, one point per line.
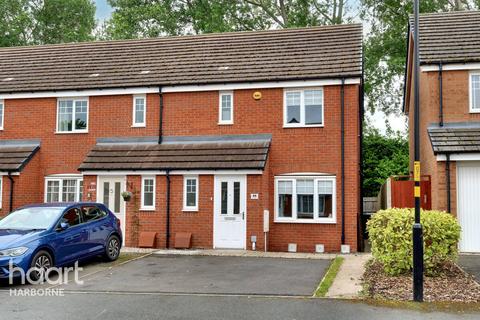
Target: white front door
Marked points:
230	228
468	199
109	192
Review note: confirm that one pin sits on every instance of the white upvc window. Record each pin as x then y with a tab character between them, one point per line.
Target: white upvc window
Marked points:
2	113
63	189
225	112
305	199
474	90
139	111
190	193
303	108
148	193
72	115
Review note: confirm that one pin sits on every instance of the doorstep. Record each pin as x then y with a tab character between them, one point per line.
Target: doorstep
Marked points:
245	253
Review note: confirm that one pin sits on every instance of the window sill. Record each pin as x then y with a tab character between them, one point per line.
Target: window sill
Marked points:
139	126
474	110
190	209
70	132
304	126
147	209
225	123
326	221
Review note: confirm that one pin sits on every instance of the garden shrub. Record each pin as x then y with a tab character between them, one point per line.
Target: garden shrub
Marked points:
390	234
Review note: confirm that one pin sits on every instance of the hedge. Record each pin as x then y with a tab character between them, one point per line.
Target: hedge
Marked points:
390	234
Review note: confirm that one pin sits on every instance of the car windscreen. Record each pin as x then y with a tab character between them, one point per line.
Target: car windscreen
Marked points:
31	218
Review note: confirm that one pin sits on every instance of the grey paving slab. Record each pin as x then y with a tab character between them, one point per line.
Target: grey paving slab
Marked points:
471	264
210	274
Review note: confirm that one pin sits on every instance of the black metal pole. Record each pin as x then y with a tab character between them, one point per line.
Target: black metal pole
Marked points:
417	227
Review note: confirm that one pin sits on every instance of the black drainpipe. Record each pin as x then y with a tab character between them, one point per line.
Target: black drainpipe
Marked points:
440	90
447	173
12	183
167	240
160	125
342	97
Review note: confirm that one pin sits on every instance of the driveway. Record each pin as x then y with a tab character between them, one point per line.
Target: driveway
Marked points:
209	274
471	264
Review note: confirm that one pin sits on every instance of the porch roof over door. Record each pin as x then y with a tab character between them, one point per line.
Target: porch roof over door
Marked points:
15	154
179	153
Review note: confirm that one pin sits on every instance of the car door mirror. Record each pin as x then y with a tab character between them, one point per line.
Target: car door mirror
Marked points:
63	226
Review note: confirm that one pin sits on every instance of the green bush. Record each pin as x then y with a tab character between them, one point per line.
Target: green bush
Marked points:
390	234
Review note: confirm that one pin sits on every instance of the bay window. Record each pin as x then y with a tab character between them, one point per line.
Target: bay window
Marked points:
305	199
63	189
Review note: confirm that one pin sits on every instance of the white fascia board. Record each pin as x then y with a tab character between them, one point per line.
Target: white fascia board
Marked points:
259	85
460	157
172	172
6	173
450	67
79	93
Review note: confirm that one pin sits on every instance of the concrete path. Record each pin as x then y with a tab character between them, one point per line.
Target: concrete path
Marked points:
348	283
471	264
246	253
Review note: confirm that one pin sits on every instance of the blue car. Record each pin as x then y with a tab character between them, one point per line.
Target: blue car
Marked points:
55	235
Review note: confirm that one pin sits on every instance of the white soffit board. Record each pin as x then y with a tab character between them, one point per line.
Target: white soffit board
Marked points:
450	67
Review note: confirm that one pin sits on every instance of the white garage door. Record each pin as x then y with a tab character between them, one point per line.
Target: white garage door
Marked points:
468	195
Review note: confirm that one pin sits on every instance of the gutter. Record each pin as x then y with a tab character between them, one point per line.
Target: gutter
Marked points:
167	232
342	102
440	90
447	174
160	125
12	184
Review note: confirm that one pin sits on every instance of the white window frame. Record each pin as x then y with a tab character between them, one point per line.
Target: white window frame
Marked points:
142	206
220	95
185	207
470	92
73	115
316	218
2	113
61	178
134	119
302	108
1	191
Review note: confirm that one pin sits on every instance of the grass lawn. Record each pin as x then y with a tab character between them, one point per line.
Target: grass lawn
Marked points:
329	277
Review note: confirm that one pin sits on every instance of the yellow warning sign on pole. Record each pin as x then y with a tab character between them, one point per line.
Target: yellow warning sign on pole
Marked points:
417	192
416	170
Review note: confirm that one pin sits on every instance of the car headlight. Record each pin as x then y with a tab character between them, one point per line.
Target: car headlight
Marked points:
14	252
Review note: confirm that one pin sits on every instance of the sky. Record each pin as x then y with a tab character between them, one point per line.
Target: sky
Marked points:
378	120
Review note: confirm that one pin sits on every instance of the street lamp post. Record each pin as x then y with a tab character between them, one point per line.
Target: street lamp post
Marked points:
417	226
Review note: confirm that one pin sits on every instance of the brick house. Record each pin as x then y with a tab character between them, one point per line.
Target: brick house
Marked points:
450	115
216	136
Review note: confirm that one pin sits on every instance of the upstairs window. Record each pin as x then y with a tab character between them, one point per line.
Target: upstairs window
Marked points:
305	199
303	108
72	115
139	111
226	108
1	114
475	92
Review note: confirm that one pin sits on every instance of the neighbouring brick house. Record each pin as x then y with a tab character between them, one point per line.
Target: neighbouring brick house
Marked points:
211	134
450	115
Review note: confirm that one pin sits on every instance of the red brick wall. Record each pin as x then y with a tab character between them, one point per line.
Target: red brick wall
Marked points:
292	150
455	109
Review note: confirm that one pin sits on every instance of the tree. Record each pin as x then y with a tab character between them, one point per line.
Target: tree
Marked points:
14	23
139	18
383	156
385	47
26	22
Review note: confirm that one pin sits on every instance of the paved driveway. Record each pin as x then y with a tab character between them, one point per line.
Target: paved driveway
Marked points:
209	274
471	264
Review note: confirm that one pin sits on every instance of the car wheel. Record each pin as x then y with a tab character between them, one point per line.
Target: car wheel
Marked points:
42	262
112	250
